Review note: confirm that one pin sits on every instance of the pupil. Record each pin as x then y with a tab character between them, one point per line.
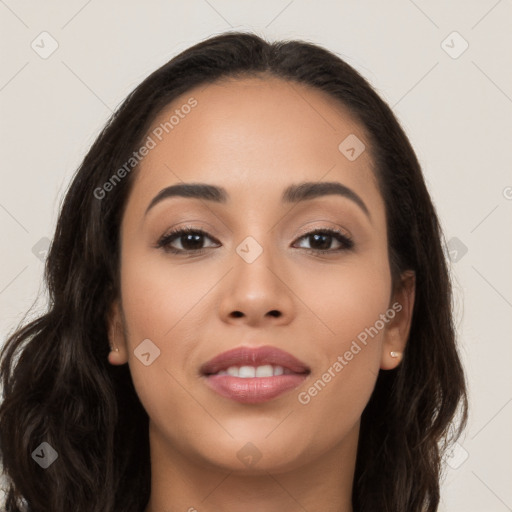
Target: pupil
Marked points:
326	238
192	241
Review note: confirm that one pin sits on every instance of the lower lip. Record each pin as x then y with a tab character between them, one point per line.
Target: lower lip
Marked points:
254	390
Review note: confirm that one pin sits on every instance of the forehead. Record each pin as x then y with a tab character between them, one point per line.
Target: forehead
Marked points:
252	135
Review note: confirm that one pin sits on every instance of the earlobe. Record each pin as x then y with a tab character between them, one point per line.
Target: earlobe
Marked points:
116	338
397	332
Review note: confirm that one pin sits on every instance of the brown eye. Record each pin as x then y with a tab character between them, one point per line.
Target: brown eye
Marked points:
321	241
184	240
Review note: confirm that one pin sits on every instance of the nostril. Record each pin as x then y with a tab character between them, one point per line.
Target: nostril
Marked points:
237	314
275	313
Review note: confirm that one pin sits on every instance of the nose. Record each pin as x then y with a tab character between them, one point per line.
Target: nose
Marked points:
257	293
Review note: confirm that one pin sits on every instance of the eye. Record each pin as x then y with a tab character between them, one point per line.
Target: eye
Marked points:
191	241
188	240
321	241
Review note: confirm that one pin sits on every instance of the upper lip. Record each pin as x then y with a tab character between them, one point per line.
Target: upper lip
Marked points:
248	356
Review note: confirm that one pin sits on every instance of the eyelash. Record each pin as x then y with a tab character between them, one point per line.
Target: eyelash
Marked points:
165	241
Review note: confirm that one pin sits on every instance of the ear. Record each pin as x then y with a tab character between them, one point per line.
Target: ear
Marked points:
397	331
116	335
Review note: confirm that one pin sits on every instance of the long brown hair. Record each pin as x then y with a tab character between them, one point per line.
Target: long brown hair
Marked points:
58	386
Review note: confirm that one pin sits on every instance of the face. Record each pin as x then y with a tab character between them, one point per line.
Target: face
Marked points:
263	265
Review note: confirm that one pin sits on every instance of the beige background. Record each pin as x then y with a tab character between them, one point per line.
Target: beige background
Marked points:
457	112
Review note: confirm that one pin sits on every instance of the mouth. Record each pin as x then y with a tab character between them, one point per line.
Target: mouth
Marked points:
254	375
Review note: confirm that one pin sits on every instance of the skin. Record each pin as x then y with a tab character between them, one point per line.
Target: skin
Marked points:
255	137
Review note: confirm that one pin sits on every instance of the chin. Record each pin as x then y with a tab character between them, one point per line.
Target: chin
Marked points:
253	453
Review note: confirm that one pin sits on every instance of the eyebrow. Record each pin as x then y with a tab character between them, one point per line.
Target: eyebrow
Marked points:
292	194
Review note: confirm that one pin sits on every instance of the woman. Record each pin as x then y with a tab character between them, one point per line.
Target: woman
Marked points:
250	306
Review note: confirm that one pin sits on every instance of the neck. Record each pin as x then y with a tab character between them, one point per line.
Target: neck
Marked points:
182	483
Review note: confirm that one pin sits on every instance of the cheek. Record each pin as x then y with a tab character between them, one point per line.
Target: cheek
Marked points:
169	304
158	296
349	305
157	306
347	299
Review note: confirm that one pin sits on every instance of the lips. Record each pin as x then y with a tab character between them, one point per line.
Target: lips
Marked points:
246	356
247	387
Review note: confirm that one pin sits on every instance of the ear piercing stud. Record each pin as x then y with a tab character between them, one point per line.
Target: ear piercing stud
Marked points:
395	354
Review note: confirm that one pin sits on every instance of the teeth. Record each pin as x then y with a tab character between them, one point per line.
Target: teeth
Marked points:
265	371
248	372
233	371
278	370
